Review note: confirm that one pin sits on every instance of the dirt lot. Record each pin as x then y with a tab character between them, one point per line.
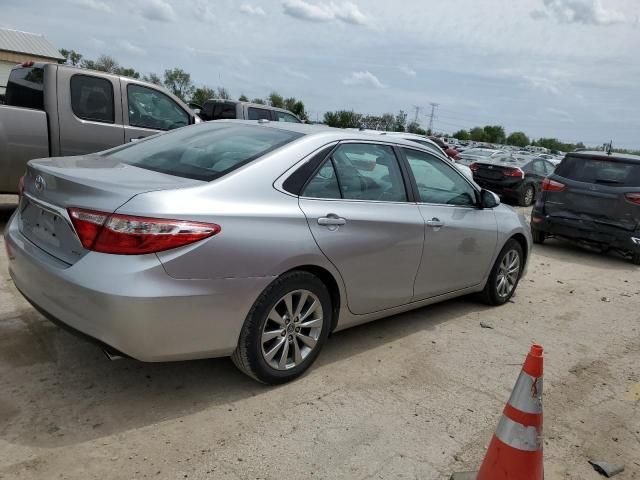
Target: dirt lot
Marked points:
413	396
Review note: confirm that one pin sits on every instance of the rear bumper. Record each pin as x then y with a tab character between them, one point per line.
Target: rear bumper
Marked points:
502	189
130	304
586	231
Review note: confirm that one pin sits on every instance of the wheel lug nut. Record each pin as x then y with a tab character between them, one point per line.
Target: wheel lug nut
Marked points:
297	329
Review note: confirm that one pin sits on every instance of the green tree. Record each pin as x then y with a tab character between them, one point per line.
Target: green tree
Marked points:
343	119
179	83
400	122
71	57
296	106
477	134
414	127
202	94
222	93
104	63
152	78
127	72
243	98
259	101
494	134
461	135
518	139
276	100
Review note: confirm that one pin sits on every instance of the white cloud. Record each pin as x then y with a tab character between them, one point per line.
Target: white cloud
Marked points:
157	10
407	70
204	12
587	12
365	79
131	48
96	5
294	73
251	10
545	84
346	12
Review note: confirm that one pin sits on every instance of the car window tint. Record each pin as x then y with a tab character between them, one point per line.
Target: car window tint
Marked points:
25	88
437	181
286	117
259	114
549	167
324	184
149	108
206	151
224	111
369	172
600	171
92	98
538	167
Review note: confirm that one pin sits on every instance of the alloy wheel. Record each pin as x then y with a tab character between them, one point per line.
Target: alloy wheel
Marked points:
292	329
528	196
508	273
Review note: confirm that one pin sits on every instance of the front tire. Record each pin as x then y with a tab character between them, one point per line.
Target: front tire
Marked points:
505	274
285	329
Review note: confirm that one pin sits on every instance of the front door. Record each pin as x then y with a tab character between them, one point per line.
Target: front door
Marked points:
460	238
357	209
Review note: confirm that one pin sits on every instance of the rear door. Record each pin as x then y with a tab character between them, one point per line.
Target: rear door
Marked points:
460	238
598	190
359	214
148	111
89	110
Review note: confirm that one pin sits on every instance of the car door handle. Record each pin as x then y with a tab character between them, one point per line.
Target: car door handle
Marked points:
435	223
331	221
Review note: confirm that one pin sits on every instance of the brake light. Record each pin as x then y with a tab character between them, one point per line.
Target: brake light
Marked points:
28	63
513	172
474	167
549	185
633	197
21	185
130	235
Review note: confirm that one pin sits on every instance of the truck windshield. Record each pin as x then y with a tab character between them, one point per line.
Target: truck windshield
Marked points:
203	152
25	88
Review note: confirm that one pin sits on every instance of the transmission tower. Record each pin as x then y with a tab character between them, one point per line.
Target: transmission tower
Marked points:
433	115
417	113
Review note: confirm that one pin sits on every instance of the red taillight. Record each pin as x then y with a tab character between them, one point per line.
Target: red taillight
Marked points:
549	185
633	197
21	185
130	235
474	167
513	172
28	63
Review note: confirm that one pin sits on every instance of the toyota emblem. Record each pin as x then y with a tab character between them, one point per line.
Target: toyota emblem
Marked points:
40	184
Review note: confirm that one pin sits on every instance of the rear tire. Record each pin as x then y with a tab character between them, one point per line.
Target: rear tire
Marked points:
635	258
275	344
527	196
503	280
538	236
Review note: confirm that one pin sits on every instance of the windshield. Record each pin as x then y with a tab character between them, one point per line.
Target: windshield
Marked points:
203	152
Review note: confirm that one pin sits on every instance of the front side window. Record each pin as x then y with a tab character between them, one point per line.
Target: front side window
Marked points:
203	152
92	98
438	182
259	114
149	108
286	117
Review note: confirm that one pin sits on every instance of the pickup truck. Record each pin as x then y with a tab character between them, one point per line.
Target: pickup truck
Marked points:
56	110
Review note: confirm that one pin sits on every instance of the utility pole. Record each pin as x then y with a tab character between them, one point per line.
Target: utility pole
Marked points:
433	115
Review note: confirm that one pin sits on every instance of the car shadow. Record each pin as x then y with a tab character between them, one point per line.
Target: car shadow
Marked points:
8	204
558	249
57	390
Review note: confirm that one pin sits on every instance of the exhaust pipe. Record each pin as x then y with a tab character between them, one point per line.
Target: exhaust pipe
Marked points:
112	355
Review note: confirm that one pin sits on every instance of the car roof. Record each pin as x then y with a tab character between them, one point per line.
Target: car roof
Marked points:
604	155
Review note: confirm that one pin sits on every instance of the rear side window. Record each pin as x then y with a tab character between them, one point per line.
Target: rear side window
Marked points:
92	98
259	114
603	172
25	88
224	111
203	152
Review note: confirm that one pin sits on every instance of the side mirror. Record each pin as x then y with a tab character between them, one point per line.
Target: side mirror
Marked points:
488	199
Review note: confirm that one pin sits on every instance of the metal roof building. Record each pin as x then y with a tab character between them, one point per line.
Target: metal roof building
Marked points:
18	47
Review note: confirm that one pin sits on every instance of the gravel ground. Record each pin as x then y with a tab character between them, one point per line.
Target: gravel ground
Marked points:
417	395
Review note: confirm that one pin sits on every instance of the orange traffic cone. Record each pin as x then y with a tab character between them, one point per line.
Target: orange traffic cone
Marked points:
515	452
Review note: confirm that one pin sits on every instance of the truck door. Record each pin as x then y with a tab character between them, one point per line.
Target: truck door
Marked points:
148	111
89	112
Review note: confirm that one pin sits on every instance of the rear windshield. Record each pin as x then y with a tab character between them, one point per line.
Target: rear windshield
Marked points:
203	152
25	88
604	172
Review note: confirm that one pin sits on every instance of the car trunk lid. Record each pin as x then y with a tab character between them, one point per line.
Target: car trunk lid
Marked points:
90	182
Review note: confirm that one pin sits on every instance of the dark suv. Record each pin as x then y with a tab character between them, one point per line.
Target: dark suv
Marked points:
594	199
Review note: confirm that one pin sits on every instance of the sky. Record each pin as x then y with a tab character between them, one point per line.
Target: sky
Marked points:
568	69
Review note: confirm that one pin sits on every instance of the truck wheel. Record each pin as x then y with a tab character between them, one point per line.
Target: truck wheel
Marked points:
538	236
527	196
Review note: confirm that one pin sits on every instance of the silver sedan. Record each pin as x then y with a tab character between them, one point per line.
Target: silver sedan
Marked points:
255	240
